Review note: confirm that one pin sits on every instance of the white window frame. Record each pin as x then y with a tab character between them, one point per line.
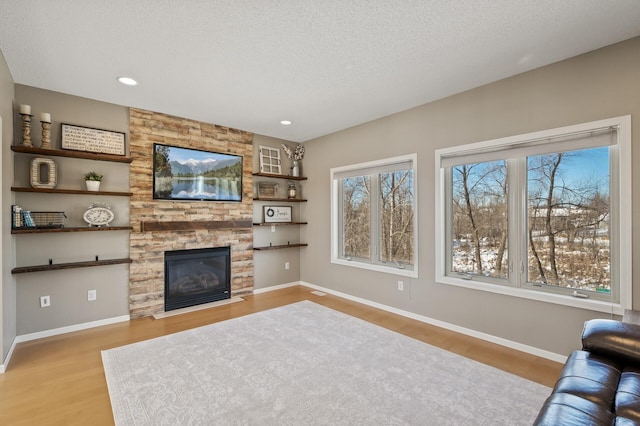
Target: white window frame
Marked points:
623	216
270	160
336	206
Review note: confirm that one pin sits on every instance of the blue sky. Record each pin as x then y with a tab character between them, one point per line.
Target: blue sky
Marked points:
581	169
182	155
587	165
591	163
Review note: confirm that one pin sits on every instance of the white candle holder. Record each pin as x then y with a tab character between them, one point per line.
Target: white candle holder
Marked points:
26	130
46	135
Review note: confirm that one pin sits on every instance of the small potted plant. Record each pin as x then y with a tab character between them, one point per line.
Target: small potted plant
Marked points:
93	180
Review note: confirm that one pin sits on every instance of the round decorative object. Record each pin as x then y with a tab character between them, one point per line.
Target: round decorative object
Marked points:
98	214
44	173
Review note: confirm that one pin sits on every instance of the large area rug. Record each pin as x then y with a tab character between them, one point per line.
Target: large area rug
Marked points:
305	364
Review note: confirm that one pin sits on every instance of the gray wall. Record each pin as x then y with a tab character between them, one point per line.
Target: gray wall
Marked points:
268	265
68	288
598	85
7	283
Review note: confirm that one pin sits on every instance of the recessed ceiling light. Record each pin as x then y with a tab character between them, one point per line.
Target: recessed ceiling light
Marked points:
127	81
285	122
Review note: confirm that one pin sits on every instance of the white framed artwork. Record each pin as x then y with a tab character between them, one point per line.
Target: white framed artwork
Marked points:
270	160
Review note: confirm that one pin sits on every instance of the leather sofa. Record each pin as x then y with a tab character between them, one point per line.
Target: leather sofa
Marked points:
599	385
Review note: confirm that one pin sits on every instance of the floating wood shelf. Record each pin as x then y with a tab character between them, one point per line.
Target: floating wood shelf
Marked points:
71	229
71	154
70	191
150	226
281	200
72	265
272	175
279	223
284	246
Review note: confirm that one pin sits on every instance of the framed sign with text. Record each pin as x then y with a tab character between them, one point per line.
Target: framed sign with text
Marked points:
275	214
88	139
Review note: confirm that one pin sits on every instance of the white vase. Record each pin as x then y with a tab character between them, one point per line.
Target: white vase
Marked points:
93	185
296	168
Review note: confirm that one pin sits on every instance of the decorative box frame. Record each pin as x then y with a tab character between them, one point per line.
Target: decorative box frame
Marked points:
267	190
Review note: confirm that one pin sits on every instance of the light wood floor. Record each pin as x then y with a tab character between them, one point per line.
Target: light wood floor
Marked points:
60	380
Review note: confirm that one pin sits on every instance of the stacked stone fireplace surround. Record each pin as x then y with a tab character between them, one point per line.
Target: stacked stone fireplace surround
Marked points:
160	226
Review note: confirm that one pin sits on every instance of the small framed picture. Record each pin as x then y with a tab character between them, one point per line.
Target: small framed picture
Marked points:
275	214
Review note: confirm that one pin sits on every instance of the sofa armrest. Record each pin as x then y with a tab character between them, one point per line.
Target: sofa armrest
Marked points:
611	338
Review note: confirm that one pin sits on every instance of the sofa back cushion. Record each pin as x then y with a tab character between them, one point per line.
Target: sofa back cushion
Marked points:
613	339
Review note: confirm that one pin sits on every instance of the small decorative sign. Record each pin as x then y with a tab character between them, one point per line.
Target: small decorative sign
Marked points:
273	214
87	139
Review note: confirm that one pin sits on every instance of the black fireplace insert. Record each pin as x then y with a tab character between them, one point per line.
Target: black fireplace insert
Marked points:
194	277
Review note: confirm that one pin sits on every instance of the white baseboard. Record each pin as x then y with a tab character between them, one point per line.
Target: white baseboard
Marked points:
277	287
462	330
57	331
8	358
70	328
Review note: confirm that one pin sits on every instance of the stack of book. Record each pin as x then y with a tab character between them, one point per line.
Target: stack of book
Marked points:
21	218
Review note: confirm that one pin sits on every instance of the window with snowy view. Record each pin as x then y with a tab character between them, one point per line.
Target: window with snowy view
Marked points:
374	214
539	212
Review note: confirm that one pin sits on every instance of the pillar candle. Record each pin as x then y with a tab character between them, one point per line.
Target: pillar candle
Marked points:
46	117
25	109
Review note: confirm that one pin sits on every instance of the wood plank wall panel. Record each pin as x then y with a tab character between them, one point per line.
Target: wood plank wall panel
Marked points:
146	279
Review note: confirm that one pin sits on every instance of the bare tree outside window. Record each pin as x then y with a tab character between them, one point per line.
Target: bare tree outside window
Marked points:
479	209
568	221
542	215
356	218
378	217
396	217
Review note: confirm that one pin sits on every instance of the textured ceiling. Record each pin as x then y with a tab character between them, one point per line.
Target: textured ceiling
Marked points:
325	65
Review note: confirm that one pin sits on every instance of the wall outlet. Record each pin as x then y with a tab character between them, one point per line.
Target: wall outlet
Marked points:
45	301
91	295
273	228
401	285
286	265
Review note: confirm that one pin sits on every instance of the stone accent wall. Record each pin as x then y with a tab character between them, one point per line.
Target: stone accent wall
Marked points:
146	279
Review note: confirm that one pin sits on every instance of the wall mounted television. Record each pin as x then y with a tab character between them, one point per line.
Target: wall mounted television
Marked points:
194	175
